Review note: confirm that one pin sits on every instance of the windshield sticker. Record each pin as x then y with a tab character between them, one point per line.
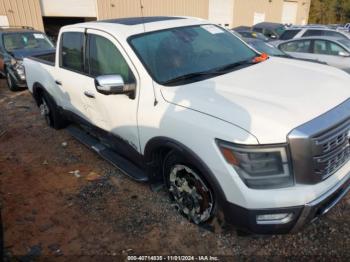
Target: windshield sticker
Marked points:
38	36
212	29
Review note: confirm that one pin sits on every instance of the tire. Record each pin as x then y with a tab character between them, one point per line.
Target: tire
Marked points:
50	112
191	194
11	84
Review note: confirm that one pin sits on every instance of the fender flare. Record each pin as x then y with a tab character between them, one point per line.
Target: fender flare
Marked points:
157	143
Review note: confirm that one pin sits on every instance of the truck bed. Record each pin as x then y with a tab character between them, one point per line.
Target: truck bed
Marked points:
48	58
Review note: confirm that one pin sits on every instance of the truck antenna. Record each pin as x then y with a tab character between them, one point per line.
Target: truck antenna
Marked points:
144	30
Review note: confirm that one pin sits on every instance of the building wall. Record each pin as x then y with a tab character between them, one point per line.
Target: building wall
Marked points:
69	8
22	13
127	8
244	11
221	12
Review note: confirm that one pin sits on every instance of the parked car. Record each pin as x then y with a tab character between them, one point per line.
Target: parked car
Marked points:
295	32
264	47
242	28
333	51
272	50
188	104
271	30
253	35
15	44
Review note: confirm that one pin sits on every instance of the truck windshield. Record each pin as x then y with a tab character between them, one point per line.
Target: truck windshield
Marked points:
190	53
26	41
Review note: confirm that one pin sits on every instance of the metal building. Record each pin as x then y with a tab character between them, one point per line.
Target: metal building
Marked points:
52	14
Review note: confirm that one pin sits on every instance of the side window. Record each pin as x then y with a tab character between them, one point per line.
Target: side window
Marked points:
320	47
313	32
289	34
335	49
302	46
334	34
105	59
72	51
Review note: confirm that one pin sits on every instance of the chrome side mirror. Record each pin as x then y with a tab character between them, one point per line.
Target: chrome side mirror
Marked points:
113	84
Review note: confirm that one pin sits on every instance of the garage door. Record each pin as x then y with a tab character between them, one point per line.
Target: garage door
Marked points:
221	12
289	13
76	8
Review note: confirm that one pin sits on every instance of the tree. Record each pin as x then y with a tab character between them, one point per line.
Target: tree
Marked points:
329	11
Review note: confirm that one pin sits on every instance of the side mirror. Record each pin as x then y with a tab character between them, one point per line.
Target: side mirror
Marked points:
343	54
113	84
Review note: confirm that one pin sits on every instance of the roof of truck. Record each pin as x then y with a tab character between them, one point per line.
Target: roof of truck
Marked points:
125	27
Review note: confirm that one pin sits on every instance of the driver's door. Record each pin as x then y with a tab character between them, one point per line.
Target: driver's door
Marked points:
114	113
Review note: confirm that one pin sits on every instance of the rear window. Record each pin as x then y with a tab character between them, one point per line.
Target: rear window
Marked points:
72	54
289	34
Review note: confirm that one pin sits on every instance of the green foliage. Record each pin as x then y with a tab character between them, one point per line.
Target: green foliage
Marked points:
329	11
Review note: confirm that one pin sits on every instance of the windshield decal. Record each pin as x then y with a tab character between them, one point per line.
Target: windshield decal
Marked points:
38	36
212	29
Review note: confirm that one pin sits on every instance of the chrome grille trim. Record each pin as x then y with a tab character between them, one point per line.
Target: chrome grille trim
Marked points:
330	163
320	147
333	138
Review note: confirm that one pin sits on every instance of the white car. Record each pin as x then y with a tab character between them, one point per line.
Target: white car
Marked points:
331	51
298	32
184	102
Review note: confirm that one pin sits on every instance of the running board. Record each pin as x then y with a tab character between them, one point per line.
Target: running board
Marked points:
127	167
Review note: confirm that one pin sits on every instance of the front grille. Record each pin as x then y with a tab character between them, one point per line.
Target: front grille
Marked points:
320	147
331	150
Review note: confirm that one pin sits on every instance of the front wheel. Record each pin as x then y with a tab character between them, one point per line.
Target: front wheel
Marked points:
192	197
11	84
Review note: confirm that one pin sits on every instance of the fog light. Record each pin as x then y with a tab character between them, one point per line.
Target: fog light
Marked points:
274	219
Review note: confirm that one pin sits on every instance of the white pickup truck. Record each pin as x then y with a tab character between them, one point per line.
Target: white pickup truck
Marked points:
186	103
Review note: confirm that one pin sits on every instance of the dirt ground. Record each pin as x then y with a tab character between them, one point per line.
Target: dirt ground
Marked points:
50	212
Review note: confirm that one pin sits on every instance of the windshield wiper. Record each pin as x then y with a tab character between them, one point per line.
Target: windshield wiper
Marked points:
188	76
229	67
215	71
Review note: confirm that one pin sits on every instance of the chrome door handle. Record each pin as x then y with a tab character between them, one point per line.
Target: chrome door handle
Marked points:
89	94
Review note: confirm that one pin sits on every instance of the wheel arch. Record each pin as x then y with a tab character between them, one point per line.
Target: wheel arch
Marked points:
158	147
38	91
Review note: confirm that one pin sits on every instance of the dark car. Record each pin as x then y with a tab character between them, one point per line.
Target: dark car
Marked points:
15	44
264	47
253	35
270	30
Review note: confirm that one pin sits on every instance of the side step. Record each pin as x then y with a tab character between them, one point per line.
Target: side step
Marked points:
127	167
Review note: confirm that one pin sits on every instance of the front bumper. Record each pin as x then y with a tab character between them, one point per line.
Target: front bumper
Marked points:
20	82
246	219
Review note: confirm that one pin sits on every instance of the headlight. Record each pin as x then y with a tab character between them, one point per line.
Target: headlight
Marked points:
259	167
19	67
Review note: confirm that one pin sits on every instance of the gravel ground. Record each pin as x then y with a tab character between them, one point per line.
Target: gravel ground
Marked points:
52	211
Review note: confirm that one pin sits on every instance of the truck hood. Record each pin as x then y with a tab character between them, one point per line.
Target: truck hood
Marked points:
268	99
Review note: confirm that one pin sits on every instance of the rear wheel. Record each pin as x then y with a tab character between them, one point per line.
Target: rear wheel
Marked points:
49	111
192	197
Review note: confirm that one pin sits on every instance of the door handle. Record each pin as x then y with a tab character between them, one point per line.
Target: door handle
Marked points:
89	94
58	82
